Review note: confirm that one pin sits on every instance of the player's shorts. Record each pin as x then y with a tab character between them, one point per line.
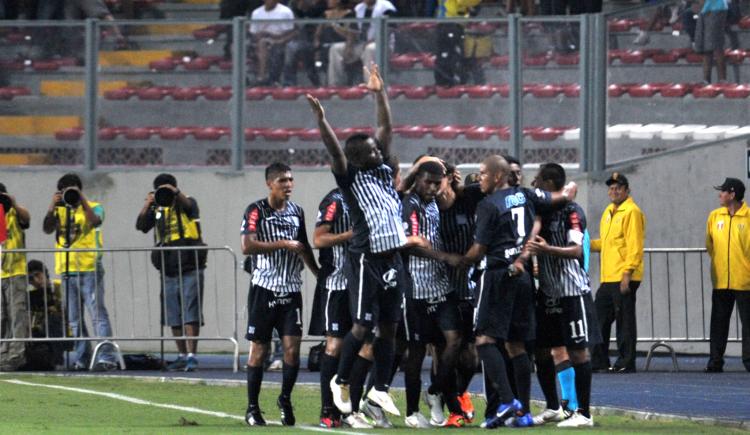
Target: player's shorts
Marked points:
505	306
426	319
466	313
376	284
567	321
338	319
268	310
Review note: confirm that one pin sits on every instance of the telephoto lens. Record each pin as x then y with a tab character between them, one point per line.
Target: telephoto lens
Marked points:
71	197
164	197
5	201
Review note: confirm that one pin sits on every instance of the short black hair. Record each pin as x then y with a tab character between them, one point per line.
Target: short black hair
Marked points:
432	168
163	179
353	147
511	160
69	180
3	189
276	168
36	266
554	173
471	178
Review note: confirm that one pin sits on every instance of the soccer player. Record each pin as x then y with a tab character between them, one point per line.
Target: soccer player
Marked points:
373	267
504	311
273	232
430	305
565	308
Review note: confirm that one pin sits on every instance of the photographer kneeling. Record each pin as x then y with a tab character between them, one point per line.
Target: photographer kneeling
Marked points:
176	222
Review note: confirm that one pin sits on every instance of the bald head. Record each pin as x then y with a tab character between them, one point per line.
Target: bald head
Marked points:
493	173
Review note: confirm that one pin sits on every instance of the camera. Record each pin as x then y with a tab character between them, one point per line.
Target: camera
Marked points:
6	202
164	197
71	197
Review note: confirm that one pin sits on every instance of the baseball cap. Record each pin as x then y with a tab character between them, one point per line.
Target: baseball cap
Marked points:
618	178
732	185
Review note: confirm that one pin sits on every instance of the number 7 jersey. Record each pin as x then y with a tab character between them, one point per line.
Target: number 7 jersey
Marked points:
504	221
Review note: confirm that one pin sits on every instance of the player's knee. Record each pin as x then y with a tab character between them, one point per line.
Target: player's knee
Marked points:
257	354
515	348
579	356
333	346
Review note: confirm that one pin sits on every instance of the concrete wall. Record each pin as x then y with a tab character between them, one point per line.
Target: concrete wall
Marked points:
673	190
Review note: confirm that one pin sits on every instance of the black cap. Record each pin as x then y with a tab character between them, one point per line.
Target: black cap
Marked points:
733	185
618	178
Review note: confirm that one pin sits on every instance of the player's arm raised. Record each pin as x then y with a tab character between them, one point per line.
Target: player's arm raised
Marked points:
384	132
338	159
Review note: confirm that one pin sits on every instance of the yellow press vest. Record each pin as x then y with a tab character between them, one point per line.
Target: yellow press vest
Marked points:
82	235
728	244
168	227
13	264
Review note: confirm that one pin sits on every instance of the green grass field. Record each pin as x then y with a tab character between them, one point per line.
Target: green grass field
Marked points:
32	409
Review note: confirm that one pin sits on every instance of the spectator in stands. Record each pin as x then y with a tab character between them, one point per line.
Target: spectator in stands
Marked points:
229	9
175	219
329	34
449	45
526	7
302	47
14	318
623	231
728	244
45	309
363	49
709	37
270	39
76	222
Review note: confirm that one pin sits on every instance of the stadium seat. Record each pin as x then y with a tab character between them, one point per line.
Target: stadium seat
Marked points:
537	60
209	133
172	133
707	91
309	134
187	94
12	65
571	90
286	93
418	92
198	64
428	60
744	23
275	134
411	131
155	93
617	90
321	93
258	93
119	94
567	59
138	133
209	32
45	65
737	91
648	131
631	57
218	93
681	132
107	133
481	132
352	93
619	130
693	57
646	89
499	60
676	90
251	133
666	57
715	132
446	132
546	91
619	25
735	57
481	91
162	65
403	61
546	134
73	133
450	91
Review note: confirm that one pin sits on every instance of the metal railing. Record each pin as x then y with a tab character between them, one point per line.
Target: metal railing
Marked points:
132	297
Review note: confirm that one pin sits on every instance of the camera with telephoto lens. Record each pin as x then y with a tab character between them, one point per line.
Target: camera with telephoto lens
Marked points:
164	196
71	197
6	202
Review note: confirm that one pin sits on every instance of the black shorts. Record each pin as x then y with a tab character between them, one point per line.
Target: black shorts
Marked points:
426	319
466	311
338	318
568	321
376	286
267	311
505	306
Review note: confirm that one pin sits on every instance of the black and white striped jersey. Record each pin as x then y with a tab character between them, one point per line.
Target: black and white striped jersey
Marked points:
563	277
457	232
374	209
280	270
429	277
333	212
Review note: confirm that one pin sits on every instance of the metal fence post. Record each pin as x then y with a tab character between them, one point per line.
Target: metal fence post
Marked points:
90	101
516	83
598	144
587	84
381	46
238	92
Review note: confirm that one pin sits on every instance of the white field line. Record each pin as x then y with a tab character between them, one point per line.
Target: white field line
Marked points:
137	401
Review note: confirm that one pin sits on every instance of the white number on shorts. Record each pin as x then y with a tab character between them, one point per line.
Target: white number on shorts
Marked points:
580	332
299	317
518	214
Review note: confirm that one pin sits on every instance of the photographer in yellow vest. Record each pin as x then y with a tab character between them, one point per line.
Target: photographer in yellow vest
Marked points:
14	316
76	222
175	219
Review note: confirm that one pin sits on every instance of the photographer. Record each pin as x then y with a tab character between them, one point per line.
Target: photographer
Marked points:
45	309
176	222
76	222
13	310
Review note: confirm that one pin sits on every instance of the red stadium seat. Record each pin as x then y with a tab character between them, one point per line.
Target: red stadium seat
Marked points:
73	133
353	93
218	94
744	23
411	131
172	133
707	91
154	93
693	57
225	65
545	134
17	37
481	132
66	61
446	132
567	59
45	65
538	60
631	57
208	133
666	57
403	61
206	33
251	133
258	93
309	134
504	133
615	54
138	133
546	91
619	26
286	93
450	91
107	133
275	134
321	93
198	64
571	90
418	92
676	90
12	65
428	60
737	91
616	90
162	65
735	56
186	94
119	94
500	60
481	91
643	91
19	91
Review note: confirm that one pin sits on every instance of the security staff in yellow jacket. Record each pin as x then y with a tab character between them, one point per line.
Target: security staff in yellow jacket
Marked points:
76	222
14	316
449	45
622	233
728	244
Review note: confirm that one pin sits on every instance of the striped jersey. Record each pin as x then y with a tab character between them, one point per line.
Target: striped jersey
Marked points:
504	221
429	277
333	212
563	277
457	233
374	209
281	270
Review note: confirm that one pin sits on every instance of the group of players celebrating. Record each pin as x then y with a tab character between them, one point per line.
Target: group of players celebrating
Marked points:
475	272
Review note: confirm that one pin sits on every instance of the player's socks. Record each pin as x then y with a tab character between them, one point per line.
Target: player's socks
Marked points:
359	373
254	379
494	367
447	381
583	387
566	374
522	374
545	373
383	350
288	379
509	370
349	350
328	366
412	378
464	373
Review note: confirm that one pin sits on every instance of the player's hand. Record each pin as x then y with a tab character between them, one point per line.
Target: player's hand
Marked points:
294	246
517	268
625	284
570	190
537	246
316	107
150	199
373	82
453	260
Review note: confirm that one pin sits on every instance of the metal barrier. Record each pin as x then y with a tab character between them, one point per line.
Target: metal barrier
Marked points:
132	297
682	313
